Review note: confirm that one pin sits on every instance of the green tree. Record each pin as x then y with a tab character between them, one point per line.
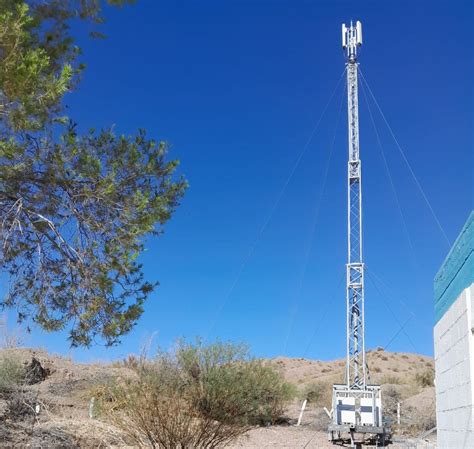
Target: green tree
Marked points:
75	209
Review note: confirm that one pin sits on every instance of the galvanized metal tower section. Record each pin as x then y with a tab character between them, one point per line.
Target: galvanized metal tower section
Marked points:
357	406
356	376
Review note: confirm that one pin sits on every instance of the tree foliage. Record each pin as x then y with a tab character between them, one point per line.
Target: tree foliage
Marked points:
75	209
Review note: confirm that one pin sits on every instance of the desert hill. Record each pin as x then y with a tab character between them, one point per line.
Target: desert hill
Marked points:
383	367
55	409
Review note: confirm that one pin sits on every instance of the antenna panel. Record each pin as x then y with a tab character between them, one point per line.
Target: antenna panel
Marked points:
359	33
344	35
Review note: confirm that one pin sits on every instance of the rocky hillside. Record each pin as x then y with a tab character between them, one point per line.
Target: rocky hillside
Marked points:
55	408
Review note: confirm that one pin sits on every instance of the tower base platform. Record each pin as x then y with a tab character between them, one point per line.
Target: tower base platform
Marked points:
356	435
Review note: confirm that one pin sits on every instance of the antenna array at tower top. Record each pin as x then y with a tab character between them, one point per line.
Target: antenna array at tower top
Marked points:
351	39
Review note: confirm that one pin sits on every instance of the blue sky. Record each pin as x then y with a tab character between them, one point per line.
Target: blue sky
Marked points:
236	88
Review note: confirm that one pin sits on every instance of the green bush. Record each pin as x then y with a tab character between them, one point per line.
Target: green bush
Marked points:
12	373
196	396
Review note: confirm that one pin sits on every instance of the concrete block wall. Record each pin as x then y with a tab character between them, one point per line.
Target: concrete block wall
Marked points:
454	344
454	356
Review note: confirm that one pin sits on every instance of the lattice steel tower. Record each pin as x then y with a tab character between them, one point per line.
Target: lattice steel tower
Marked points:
356	375
357	405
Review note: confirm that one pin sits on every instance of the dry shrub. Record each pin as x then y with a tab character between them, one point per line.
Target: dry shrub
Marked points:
132	362
318	393
196	396
420	420
35	372
390	397
413	420
388	379
417	420
20	405
425	378
9	338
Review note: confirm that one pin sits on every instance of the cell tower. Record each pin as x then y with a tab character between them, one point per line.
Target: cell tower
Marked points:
357	406
356	376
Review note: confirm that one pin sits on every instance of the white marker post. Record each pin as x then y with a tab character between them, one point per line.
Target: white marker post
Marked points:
301	413
91	408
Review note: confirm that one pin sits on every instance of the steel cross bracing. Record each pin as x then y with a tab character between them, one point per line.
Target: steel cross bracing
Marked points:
356	376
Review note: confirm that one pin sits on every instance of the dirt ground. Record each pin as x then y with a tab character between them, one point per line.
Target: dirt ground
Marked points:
300	437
